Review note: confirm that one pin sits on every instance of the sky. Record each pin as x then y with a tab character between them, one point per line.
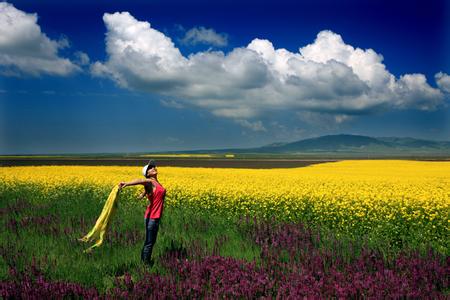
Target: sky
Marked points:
145	76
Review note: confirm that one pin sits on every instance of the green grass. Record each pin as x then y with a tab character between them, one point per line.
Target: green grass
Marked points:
56	222
48	226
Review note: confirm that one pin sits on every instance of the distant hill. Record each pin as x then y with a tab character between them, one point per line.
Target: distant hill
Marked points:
328	143
358	143
352	144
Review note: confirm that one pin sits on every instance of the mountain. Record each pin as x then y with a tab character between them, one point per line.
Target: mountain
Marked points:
328	143
351	144
414	143
358	144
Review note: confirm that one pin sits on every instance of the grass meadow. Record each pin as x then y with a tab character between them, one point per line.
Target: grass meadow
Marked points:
221	240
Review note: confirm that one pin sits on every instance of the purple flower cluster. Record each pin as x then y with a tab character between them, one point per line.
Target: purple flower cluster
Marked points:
292	264
292	255
212	277
37	287
312	276
47	225
32	284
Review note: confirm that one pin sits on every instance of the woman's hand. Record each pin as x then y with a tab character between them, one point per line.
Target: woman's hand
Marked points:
122	185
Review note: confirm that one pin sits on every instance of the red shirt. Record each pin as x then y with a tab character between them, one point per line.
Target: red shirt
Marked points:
156	206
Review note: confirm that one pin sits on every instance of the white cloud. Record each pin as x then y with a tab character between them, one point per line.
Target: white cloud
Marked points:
326	77
81	58
412	90
323	121
63	42
254	126
172	103
25	49
202	35
443	81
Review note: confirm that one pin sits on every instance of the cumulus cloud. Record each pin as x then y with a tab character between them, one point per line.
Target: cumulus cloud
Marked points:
413	91
325	77
443	81
24	48
202	35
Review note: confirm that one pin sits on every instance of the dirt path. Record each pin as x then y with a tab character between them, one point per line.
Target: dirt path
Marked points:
197	162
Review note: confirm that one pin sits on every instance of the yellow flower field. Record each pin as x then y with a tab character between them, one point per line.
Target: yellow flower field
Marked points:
360	195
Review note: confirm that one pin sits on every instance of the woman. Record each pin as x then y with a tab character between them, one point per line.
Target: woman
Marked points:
155	193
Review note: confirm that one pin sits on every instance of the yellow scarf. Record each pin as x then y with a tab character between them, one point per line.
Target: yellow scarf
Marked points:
103	221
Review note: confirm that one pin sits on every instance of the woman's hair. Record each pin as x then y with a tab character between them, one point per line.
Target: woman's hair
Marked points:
148	189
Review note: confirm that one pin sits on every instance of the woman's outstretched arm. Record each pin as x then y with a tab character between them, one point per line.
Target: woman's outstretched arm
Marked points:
134	182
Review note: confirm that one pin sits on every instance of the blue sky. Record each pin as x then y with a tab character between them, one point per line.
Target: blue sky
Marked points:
138	76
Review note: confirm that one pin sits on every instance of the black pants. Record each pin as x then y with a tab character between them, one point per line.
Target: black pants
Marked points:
151	231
